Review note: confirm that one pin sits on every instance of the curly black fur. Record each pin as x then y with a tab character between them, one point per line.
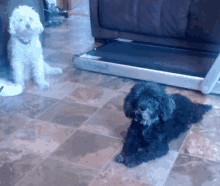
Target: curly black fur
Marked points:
157	119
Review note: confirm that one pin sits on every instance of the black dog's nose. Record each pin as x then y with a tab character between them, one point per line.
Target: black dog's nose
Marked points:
28	25
143	107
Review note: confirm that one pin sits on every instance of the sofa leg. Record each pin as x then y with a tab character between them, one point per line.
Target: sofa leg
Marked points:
102	40
212	77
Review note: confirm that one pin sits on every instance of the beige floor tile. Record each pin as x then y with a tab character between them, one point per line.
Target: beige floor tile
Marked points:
108	123
111	180
204	139
57	173
116	103
90	95
56	90
26	104
15	164
59	57
68	113
88	149
153	172
37	137
10	123
191	171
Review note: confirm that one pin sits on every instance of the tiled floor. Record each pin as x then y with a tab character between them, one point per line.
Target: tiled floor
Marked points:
70	134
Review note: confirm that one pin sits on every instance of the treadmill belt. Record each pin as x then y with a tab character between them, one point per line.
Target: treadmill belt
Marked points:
179	61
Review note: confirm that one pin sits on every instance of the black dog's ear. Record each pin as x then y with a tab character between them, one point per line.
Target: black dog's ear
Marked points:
137	90
149	88
167	106
129	101
128	108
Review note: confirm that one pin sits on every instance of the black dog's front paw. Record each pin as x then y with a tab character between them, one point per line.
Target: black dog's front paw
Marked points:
120	159
129	161
131	165
132	161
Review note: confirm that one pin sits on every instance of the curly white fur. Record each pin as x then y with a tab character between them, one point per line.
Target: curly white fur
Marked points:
24	48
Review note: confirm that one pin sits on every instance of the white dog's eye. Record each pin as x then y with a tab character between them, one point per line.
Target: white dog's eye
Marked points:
31	18
20	20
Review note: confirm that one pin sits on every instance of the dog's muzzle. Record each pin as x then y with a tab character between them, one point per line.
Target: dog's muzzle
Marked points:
28	26
139	118
143	122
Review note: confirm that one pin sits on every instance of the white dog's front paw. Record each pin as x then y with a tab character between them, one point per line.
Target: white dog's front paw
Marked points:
56	71
44	85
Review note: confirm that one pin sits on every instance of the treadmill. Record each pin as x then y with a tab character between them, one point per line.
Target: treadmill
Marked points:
180	67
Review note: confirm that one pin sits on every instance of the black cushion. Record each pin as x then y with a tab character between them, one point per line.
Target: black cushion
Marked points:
154	17
204	21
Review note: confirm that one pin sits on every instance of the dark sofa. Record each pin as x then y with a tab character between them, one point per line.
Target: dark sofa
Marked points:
188	23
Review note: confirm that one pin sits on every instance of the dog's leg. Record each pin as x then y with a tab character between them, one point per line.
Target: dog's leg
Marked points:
51	70
152	149
18	71
38	69
133	161
132	144
132	150
120	158
131	154
152	152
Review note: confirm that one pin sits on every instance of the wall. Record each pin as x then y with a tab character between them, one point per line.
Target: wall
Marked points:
68	4
52	1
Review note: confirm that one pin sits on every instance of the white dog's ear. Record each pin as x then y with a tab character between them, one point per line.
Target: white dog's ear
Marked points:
11	25
41	28
39	25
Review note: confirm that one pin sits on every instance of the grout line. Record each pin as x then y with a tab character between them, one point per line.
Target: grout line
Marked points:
19	115
99	126
65	139
52	97
26	174
50	155
194	155
99	108
36	117
178	154
48	108
57	124
100	134
81	85
185	140
116	152
59	100
71	163
101	170
214	161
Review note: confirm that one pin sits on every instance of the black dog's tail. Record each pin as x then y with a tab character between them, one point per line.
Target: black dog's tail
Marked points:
201	110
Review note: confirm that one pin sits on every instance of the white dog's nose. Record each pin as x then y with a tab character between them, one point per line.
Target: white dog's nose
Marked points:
28	25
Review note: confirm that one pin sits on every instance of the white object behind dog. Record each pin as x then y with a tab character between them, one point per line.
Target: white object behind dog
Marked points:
8	88
25	51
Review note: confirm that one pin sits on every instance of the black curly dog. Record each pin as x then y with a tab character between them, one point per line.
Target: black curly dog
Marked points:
157	119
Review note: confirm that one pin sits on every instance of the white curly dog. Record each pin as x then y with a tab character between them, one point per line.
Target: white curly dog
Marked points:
25	50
